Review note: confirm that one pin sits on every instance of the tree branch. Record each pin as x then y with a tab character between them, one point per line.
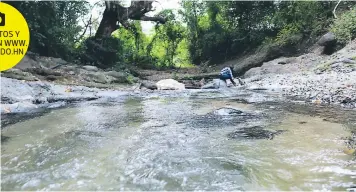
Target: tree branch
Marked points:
85	30
155	19
335	9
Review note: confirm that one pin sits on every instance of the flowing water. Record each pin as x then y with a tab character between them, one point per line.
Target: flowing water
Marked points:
179	144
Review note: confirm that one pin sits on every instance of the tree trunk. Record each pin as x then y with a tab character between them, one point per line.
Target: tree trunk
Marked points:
107	25
115	14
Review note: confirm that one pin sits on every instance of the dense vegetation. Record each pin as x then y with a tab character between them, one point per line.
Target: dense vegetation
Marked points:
200	32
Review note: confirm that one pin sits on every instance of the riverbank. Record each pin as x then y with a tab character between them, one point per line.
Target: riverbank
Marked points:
320	79
40	82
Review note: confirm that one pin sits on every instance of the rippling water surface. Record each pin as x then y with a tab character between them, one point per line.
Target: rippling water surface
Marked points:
178	144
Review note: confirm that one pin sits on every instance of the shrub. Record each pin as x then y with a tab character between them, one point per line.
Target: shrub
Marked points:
344	27
289	35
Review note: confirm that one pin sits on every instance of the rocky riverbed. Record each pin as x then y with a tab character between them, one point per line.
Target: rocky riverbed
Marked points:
311	77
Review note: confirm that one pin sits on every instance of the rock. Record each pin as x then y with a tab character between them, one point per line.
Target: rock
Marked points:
43	71
18	74
51	62
148	85
98	77
18	107
347	60
51	78
90	68
336	65
193	84
327	39
215	84
255	132
69	68
169	84
227	111
120	77
266	53
317	49
71	98
27	62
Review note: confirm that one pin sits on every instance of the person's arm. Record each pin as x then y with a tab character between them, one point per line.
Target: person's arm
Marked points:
232	77
232	81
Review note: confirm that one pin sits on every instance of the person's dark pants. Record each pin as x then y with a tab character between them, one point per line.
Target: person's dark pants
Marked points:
224	77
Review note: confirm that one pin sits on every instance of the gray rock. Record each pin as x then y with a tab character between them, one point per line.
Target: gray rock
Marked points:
120	77
327	39
90	68
215	84
51	62
149	85
255	132
227	111
18	74
98	77
18	107
347	60
27	62
336	65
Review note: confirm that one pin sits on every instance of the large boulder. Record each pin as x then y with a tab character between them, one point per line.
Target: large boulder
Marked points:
169	84
215	84
327	39
263	54
328	43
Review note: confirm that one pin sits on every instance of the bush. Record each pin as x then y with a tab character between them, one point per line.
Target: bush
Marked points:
344	27
289	35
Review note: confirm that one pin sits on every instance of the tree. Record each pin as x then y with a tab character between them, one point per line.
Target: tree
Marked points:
170	35
53	25
116	16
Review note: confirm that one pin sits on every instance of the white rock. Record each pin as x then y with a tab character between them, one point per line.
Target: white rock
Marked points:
169	84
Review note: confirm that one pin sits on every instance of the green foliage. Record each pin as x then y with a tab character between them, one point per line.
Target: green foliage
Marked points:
218	31
53	25
344	27
166	41
131	79
288	35
202	32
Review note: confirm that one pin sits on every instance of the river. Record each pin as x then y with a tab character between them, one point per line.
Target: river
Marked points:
180	143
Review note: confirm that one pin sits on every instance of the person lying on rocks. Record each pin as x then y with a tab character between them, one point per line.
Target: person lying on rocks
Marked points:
227	73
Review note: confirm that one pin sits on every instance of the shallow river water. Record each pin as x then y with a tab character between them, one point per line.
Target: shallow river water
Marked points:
180	143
